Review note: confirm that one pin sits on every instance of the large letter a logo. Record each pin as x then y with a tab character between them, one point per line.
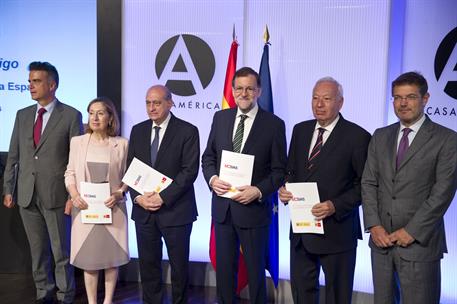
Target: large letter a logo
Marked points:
187	64
446	64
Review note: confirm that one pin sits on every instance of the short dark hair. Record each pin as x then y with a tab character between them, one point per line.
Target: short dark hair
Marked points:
47	67
411	78
246	71
113	124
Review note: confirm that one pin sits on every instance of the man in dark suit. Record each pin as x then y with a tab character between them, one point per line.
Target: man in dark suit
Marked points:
39	147
171	146
408	183
331	152
245	218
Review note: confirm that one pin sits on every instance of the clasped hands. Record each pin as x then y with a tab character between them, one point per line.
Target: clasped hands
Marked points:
150	201
320	210
382	239
246	195
81	204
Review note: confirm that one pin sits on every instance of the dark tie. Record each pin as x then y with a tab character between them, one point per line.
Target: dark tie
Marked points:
403	146
38	126
238	139
155	145
316	149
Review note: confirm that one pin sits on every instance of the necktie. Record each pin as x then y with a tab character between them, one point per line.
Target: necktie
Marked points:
316	149
38	126
155	145
239	134
403	146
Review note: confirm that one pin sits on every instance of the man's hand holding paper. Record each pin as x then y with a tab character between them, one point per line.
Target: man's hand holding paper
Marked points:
142	178
236	171
306	210
219	186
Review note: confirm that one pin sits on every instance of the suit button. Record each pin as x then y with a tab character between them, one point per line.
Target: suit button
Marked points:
393	180
388	213
36	157
394	197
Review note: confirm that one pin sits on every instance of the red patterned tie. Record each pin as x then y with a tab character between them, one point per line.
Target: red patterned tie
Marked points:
316	149
38	126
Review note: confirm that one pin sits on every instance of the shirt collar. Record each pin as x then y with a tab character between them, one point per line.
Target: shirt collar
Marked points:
330	127
164	124
251	114
415	126
49	107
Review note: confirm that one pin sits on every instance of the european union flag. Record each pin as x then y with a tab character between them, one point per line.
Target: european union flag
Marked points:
265	101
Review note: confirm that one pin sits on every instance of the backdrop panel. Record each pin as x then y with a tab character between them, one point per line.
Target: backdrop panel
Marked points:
430	47
61	32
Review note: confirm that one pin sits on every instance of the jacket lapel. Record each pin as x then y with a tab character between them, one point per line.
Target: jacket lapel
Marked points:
29	122
170	133
328	147
421	138
391	153
254	133
113	170
229	130
83	155
145	144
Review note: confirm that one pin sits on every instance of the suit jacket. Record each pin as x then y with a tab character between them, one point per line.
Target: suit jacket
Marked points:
178	158
338	171
76	169
417	194
41	169
267	142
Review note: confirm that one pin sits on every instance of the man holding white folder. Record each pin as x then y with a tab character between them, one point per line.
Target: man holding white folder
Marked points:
245	217
331	152
171	146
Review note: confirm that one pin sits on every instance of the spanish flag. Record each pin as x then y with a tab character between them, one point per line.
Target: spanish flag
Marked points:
229	102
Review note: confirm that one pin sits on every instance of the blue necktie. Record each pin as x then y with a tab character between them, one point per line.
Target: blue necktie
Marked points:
155	145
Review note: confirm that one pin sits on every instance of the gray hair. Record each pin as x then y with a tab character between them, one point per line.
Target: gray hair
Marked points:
339	87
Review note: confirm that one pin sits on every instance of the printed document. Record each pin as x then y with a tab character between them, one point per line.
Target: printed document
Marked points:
95	195
306	195
143	178
236	169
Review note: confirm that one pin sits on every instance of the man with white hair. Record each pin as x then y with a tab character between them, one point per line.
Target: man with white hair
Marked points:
330	151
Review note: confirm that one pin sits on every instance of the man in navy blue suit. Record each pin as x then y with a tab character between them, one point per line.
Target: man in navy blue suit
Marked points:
245	218
171	146
330	151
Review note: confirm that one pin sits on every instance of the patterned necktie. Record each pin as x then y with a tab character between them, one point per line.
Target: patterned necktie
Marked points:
155	145
239	134
38	126
403	146
316	149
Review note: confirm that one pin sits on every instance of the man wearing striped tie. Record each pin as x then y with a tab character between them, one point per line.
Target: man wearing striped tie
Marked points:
244	218
330	151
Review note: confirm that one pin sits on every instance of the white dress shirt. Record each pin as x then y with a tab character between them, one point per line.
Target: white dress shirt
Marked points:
328	131
163	127
414	129
247	123
49	108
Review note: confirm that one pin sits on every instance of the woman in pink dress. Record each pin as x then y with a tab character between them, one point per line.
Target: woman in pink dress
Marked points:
99	156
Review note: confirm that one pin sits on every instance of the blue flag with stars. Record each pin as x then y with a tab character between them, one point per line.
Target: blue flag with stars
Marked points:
265	101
